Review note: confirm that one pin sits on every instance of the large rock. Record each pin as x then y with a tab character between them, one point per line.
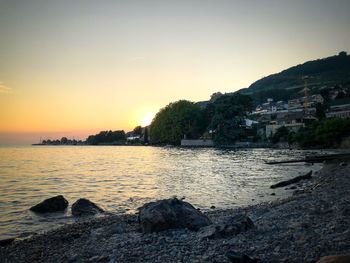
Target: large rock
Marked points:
53	204
230	227
171	213
84	207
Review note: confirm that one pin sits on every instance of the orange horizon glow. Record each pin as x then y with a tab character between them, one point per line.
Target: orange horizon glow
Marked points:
81	67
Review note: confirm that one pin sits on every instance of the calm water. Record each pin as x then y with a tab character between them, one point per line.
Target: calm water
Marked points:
120	179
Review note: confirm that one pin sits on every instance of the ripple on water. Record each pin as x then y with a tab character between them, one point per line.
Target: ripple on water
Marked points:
120	179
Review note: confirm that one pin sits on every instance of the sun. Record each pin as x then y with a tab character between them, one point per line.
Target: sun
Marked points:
147	119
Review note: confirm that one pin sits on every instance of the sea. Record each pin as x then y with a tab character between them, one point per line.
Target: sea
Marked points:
122	178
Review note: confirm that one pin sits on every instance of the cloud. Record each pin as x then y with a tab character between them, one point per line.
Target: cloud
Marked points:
4	89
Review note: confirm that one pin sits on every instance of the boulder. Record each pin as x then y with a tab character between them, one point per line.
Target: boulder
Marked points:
53	204
171	213
231	226
84	207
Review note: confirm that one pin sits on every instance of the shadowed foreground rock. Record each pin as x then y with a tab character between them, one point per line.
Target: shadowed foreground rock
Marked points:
53	204
171	213
84	207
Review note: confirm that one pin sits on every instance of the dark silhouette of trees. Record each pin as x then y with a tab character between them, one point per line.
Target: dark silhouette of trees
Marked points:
286	84
137	131
226	117
176	120
324	133
107	137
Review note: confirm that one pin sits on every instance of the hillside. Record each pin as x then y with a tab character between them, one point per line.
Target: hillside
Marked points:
321	74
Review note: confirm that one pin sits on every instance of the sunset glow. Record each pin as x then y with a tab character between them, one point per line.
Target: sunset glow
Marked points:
147	119
73	67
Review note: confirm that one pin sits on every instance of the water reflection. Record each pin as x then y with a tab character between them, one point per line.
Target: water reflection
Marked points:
121	179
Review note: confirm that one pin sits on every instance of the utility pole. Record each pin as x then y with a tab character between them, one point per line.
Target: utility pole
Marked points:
306	93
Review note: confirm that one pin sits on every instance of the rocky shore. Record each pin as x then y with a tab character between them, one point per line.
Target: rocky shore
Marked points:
314	222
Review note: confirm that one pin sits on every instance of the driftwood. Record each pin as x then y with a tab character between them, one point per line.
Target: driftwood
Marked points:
292	181
316	159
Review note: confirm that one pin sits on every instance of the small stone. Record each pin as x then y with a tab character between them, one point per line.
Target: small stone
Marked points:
6	242
73	258
99	259
346	211
235	257
232	226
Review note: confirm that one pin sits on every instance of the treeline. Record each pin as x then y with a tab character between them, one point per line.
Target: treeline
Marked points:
326	133
221	119
330	69
107	137
62	141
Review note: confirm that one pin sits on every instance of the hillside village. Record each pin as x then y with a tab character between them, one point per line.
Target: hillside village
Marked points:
296	113
263	122
296	98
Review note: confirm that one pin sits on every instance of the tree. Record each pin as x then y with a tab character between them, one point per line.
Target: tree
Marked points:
281	134
226	116
107	137
215	96
137	130
324	133
320	111
176	120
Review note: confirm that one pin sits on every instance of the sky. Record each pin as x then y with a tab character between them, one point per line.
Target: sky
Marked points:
77	67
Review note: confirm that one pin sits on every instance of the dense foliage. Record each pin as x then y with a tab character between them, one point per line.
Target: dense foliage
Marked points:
176	120
137	131
281	135
324	133
334	68
107	137
226	115
289	83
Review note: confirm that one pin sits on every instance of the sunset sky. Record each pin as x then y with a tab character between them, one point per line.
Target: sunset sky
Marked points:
77	67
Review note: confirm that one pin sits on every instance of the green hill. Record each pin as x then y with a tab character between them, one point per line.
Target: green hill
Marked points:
321	74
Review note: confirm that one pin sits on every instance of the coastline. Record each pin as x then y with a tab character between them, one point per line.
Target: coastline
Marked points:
301	228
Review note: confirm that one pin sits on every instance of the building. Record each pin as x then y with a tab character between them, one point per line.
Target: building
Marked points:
293	121
339	111
271	106
308	101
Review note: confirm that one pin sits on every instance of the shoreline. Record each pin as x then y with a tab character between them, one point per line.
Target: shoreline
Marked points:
301	228
224	147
